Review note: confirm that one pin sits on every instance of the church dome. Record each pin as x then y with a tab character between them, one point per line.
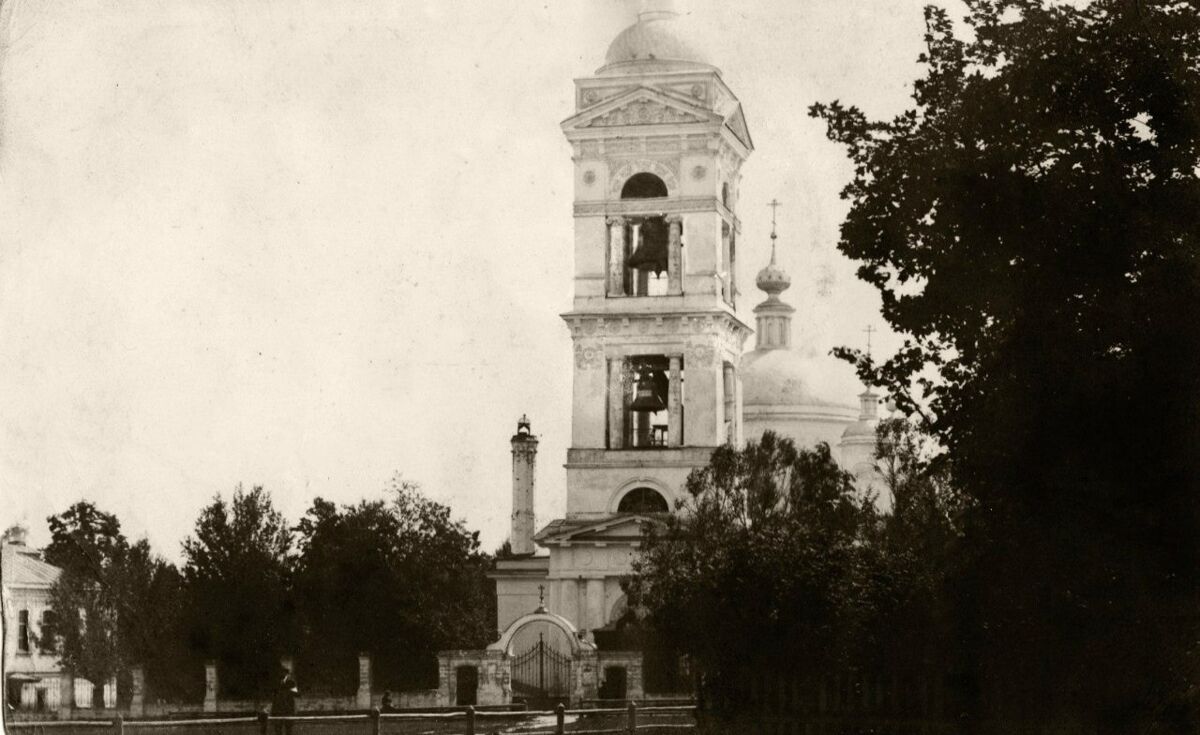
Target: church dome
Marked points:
657	39
794	392
785	377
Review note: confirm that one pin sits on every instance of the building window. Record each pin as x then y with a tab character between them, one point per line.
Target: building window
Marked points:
643	500
23	631
726	267
47	633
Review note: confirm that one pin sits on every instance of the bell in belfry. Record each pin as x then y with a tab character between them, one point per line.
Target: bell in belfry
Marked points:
650	396
651	252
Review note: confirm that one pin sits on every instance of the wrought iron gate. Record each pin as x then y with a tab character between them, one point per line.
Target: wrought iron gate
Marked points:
542	675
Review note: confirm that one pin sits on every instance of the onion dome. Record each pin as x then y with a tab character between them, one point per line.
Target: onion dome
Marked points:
773	280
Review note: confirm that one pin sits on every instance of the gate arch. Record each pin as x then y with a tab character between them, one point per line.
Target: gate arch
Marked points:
577	644
542	674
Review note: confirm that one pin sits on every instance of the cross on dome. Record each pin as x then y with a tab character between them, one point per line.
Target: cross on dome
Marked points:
773	280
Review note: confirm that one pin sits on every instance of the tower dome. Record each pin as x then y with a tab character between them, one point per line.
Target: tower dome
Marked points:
794	392
658	40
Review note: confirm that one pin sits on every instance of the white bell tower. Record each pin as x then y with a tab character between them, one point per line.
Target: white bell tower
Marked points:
659	141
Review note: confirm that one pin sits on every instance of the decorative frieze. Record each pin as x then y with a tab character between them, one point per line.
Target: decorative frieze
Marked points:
644	112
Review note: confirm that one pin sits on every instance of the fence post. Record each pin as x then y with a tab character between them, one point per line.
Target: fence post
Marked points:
119	725
375	724
262	721
559	717
633	717
470	720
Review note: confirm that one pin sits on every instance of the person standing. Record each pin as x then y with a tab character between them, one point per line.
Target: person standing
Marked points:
284	703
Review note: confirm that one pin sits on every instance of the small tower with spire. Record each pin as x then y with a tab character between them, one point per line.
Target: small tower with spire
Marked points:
774	316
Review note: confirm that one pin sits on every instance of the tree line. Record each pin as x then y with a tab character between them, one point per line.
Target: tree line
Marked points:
398	578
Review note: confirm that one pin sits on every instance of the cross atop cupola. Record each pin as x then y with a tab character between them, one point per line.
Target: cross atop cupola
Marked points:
774	316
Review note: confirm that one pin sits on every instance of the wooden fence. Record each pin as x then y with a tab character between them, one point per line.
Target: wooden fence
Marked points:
844	704
469	721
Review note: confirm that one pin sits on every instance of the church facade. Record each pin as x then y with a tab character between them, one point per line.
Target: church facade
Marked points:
661	375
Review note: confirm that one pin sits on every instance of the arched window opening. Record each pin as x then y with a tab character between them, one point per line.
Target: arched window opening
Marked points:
643	500
646	402
643	186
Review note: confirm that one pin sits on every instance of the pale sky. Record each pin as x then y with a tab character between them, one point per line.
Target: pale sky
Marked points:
307	245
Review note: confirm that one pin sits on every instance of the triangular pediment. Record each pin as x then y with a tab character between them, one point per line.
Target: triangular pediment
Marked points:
616	527
736	121
641	106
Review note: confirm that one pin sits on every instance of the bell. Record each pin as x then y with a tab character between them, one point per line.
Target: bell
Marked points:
651	253
649	397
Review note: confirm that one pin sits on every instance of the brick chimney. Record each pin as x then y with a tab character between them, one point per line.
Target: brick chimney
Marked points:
524	476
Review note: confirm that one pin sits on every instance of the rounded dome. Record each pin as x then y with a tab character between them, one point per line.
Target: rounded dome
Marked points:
788	378
656	38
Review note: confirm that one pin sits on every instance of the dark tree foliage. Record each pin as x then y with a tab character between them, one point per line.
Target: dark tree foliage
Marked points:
398	579
776	562
116	605
1032	225
236	567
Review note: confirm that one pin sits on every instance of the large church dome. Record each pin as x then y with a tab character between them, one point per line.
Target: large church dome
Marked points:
659	39
784	377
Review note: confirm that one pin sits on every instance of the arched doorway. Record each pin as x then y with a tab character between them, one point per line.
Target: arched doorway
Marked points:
541	648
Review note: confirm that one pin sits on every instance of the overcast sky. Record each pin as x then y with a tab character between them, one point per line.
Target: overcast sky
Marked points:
308	245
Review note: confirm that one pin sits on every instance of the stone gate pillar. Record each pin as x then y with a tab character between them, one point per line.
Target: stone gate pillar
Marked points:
210	686
66	695
362	698
137	693
584	676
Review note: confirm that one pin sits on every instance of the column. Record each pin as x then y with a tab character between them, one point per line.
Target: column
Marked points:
66	695
675	403
362	698
595	603
616	256
210	686
730	391
137	694
616	402
675	255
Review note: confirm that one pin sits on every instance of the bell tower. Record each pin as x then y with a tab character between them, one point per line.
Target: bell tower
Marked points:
658	143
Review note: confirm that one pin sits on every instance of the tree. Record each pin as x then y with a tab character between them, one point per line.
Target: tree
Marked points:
1032	226
395	578
237	566
111	608
764	566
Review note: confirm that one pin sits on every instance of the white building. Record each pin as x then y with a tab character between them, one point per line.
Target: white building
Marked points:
33	676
